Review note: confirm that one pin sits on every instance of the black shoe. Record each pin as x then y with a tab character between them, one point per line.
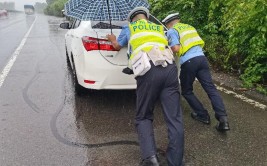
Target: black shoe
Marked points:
127	70
223	126
151	161
202	118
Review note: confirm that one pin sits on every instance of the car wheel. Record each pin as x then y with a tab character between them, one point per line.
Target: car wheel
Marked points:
79	90
67	58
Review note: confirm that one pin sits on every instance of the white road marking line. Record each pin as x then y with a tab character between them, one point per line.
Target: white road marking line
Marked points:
243	98
13	58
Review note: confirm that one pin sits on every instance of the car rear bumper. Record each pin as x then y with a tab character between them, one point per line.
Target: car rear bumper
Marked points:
105	75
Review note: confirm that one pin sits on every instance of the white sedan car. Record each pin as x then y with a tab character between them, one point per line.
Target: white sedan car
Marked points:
94	62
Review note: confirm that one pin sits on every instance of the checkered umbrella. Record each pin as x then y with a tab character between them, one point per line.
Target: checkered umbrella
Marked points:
102	10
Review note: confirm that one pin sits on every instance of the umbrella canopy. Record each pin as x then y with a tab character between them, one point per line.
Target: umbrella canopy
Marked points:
102	10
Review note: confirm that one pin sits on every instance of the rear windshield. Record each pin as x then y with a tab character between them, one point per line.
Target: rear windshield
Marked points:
106	24
156	21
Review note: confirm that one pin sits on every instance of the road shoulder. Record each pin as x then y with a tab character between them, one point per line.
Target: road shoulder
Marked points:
232	82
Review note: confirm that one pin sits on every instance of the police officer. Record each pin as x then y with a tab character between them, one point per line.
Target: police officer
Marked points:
158	83
186	43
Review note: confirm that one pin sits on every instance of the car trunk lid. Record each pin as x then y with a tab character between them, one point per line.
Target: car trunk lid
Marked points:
102	28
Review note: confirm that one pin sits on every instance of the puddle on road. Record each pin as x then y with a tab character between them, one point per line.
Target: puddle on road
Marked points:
103	118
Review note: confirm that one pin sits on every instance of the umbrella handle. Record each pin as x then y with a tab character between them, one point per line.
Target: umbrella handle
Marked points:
110	27
109	16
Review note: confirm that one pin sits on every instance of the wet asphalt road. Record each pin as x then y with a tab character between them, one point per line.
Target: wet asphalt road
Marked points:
12	30
42	122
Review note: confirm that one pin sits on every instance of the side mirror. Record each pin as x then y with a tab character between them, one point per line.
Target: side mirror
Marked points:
64	25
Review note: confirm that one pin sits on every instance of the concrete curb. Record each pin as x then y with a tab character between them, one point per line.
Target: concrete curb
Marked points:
232	85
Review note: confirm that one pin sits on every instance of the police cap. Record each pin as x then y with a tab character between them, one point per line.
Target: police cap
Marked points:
136	11
170	18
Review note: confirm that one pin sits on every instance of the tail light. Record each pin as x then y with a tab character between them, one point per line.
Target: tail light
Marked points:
91	43
89	81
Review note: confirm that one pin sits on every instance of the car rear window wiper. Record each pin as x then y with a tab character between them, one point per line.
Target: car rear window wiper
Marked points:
103	25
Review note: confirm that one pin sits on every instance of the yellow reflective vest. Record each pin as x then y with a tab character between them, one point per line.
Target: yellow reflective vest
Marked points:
188	37
144	35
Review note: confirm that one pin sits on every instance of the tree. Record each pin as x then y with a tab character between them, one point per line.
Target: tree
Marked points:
55	8
39	7
49	2
7	5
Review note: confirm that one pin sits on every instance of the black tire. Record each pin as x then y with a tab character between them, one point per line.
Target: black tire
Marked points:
79	90
67	58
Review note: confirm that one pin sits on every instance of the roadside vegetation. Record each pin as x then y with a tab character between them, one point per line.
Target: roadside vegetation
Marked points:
55	7
234	32
39	7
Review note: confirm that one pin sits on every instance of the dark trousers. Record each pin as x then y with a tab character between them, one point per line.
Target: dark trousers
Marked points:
198	67
160	83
